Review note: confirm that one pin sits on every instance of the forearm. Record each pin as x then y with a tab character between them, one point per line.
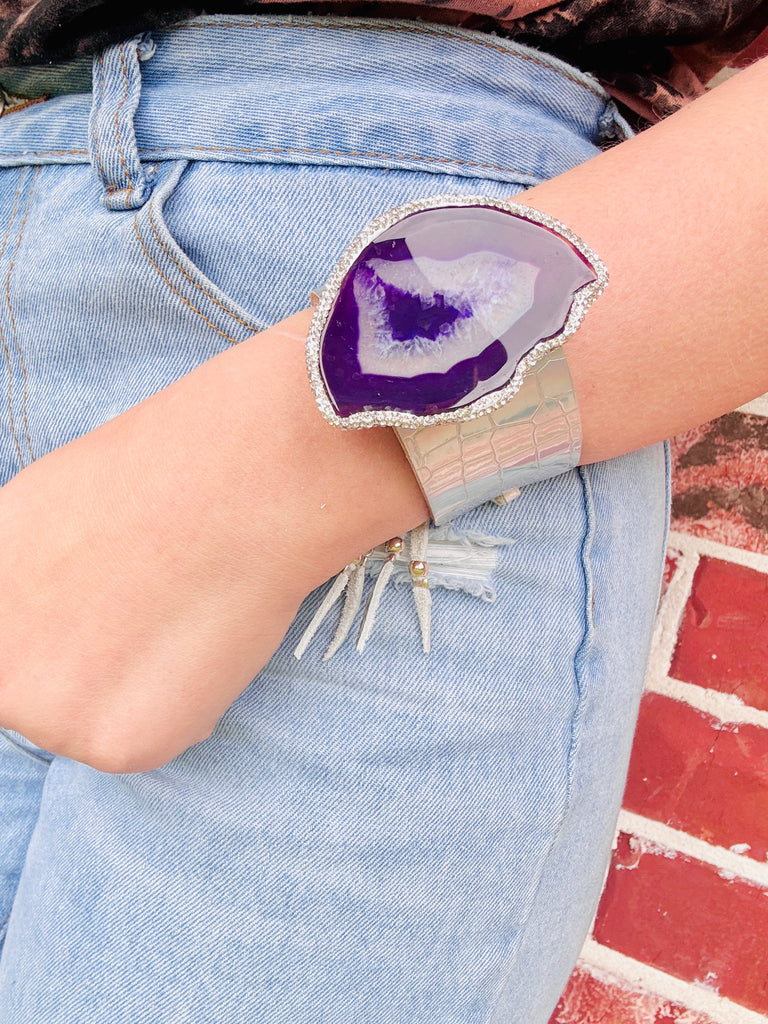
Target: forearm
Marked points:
679	215
173	545
334	493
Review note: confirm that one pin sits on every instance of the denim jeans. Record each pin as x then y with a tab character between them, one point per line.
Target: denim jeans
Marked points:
386	837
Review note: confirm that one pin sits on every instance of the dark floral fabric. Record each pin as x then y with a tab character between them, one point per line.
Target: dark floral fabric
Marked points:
651	54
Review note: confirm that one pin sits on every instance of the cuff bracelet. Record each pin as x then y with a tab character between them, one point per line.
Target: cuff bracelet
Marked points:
445	319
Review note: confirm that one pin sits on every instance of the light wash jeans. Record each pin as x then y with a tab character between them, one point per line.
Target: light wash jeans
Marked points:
385	838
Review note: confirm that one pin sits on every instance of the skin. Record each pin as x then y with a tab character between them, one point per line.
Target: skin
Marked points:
143	593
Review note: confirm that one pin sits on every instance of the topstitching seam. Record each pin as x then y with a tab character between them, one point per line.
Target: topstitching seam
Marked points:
320	151
305	151
175	290
12	318
17	107
56	152
586	642
6	350
195	284
589	630
98	102
114	186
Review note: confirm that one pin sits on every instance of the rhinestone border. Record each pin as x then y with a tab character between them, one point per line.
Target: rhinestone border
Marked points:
583	299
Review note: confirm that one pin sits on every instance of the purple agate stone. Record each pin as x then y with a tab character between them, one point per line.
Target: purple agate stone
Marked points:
440	308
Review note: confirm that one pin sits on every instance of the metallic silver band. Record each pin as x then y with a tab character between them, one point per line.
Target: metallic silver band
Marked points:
536	435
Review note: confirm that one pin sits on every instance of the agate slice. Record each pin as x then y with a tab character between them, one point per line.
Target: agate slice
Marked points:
440	307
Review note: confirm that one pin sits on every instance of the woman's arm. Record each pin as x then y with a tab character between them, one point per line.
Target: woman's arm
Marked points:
680	216
152	567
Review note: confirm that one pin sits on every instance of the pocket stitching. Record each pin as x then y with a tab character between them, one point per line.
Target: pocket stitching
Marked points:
195	284
233	340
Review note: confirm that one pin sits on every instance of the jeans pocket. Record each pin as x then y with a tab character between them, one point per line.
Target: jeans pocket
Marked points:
212	250
240	244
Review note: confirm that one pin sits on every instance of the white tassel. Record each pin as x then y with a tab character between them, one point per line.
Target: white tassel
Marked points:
351	582
419	569
334	593
393	548
352	602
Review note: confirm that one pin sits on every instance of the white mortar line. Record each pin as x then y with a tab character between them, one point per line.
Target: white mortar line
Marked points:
688	544
649	979
725	707
727	862
758	406
671	611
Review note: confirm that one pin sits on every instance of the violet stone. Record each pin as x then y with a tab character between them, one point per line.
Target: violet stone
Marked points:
440	308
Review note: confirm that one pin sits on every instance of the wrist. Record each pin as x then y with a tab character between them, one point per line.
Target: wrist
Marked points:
342	492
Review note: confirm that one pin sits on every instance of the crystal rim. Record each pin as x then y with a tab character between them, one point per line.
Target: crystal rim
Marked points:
582	300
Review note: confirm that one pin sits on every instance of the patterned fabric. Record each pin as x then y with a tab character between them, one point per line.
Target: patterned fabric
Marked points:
652	55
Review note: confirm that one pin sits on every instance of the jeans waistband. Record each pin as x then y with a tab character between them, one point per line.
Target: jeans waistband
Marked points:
369	92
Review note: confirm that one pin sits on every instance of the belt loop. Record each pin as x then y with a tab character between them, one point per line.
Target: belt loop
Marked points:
612	127
112	138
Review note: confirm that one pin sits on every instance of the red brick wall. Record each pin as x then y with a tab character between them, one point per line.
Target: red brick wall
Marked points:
681	934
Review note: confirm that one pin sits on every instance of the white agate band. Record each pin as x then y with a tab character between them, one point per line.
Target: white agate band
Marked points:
535	435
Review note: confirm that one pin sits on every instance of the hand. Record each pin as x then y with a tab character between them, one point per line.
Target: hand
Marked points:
152	567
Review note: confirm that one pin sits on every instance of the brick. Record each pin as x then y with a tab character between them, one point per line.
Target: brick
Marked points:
688	919
592	1000
723	639
720	481
670	568
693	773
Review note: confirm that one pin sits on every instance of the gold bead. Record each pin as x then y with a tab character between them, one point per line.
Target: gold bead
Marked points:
507	496
418	568
394	546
